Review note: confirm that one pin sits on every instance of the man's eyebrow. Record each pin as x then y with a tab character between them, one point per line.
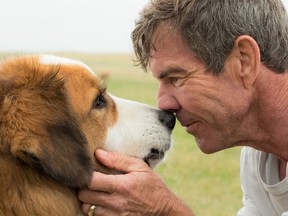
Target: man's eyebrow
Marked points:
166	73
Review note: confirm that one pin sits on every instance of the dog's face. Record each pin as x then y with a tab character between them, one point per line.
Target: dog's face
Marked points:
55	112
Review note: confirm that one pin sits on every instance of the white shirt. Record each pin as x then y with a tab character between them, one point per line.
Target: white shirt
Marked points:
263	192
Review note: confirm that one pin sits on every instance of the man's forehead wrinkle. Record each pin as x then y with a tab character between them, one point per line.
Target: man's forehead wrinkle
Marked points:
173	70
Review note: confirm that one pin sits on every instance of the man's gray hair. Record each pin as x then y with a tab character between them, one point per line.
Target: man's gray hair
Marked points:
210	28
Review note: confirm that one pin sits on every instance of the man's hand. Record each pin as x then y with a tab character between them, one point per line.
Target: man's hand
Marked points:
139	191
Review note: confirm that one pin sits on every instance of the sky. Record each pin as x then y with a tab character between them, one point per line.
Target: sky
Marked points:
96	26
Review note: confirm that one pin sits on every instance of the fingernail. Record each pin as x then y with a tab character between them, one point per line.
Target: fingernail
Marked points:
101	153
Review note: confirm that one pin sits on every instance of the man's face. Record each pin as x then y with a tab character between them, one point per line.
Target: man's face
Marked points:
210	107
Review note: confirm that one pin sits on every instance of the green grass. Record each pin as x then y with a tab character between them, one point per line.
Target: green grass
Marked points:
207	183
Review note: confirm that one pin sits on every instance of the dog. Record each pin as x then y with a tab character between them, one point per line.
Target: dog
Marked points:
54	113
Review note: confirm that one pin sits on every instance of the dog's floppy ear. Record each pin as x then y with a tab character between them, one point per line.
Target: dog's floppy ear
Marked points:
69	161
46	134
62	154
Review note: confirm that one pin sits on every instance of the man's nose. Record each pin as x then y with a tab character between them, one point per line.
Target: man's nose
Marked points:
166	99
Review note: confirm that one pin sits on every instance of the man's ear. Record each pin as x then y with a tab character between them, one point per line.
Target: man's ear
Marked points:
247	53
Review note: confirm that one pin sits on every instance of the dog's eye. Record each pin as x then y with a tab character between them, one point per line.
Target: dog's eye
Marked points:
99	102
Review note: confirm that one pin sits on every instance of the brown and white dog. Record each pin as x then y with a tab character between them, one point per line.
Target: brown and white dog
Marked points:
54	113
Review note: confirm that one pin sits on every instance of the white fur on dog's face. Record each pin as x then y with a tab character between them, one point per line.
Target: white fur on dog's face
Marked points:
59	60
138	132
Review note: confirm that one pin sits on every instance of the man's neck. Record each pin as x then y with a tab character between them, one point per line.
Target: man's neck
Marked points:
272	113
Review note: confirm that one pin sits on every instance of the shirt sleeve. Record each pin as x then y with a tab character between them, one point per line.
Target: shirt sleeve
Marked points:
249	208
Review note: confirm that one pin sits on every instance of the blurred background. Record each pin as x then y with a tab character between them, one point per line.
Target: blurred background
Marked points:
98	33
95	26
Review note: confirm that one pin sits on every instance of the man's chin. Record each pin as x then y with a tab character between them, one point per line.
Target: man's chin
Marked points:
208	147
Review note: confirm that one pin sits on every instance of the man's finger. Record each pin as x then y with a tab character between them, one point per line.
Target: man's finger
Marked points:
102	182
93	197
120	162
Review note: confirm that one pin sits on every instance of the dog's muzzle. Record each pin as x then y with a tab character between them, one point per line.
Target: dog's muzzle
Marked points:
168	119
156	154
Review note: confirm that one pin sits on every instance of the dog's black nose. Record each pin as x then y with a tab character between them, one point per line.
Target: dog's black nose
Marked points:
168	119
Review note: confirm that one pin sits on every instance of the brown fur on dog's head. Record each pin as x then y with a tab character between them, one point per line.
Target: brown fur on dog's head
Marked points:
40	129
41	124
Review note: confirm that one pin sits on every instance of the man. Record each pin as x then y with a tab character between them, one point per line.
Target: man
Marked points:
222	67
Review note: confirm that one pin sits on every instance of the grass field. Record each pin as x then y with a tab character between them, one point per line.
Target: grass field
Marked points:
207	183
